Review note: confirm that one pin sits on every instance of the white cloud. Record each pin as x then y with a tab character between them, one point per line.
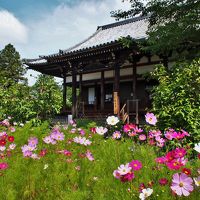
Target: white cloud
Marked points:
11	29
66	26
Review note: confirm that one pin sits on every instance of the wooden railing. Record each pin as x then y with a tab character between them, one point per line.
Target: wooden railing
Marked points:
127	111
123	114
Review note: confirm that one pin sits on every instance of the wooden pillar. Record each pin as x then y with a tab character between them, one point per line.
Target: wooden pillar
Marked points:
80	87
74	93
134	82
64	94
102	90
116	93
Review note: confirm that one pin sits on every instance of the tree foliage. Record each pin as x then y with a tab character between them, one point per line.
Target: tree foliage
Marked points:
47	96
11	68
176	100
174	25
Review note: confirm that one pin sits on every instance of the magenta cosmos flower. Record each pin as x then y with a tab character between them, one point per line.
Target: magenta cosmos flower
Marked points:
151	118
3	166
135	165
182	184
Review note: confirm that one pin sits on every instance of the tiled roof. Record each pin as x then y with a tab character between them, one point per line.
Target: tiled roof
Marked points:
136	28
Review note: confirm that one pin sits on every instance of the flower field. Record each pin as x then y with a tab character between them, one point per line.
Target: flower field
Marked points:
102	162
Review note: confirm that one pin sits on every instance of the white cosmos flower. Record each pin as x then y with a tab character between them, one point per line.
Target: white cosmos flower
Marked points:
46	166
112	120
124	169
2	148
197	181
197	147
101	130
145	193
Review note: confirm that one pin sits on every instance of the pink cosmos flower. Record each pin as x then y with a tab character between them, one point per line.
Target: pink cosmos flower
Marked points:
5	122
135	165
160	144
12	129
56	135
116	174
82	132
151	118
89	155
35	156
27	153
152	142
174	165
161	160
129	127
116	135
33	141
73	130
168	135
185	133
101	130
132	133
182	184
49	140
3	166
179	152
142	137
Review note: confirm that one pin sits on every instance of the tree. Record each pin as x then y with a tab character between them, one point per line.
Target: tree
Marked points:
174	25
176	99
11	67
47	96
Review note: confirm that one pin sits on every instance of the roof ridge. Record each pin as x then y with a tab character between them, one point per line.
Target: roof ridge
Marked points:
83	41
123	22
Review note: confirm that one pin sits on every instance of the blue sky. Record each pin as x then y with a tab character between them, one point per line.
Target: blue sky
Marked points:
41	27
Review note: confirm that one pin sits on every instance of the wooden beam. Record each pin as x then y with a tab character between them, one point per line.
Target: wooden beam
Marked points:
102	91
74	93
80	87
64	93
116	95
134	86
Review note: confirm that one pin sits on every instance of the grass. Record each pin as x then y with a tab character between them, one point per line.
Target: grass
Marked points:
26	179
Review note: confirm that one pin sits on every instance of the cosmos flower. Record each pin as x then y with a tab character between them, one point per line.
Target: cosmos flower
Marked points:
3	166
135	165
12	146
116	135
163	181
46	166
112	120
89	155
182	184
124	169
33	141
11	138
151	118
101	130
2	148
197	147
197	181
142	137
145	193
186	171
